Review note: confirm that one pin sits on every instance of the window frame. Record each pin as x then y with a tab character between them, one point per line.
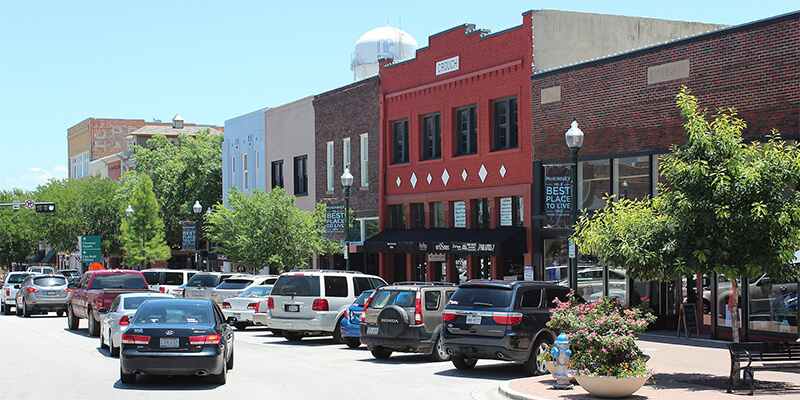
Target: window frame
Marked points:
432	140
438	294
347	154
277	180
300	182
364	159
471	132
403	151
332	278
329	166
507	127
245	172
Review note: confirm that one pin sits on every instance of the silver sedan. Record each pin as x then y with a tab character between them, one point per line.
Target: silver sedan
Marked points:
115	321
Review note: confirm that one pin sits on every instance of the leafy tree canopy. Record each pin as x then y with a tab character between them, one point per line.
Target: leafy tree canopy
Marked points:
141	233
18	234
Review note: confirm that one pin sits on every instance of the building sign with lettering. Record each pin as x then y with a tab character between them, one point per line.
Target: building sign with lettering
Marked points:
334	219
189	236
557	195
448	65
459	214
506	211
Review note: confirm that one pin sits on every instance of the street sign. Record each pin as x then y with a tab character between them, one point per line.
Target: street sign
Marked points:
189	236
528	273
29	204
91	249
346	252
572	249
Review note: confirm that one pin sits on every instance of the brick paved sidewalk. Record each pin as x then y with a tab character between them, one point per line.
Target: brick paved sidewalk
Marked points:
683	369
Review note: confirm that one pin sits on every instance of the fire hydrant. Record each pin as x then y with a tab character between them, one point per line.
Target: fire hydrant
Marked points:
561	354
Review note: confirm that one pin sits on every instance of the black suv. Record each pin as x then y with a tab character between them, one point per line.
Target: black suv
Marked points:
500	320
406	317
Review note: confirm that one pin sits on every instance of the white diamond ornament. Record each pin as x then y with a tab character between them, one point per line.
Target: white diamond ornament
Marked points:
398	181
464	175
413	180
429	178
503	171
445	177
482	173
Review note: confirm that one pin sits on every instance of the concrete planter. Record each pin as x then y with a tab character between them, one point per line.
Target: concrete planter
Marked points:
611	387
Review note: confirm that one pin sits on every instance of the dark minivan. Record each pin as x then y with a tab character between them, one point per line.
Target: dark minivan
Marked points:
500	320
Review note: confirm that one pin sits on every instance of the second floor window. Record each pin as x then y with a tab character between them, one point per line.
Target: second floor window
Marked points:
437	215
431	138
245	172
417	215
397	219
399	142
480	213
300	176
466	134
277	174
504	124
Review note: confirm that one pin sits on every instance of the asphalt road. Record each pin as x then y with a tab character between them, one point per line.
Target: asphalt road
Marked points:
40	359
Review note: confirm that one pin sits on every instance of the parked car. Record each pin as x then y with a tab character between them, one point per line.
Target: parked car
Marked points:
235	285
95	293
312	302
406	317
165	280
12	283
41	269
177	337
500	320
41	294
202	283
117	319
351	322
242	308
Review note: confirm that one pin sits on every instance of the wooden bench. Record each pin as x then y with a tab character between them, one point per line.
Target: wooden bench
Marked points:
762	356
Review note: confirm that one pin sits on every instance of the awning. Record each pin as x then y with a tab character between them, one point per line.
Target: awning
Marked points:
449	240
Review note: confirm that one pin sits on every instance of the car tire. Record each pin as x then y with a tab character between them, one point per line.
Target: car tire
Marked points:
352	343
94	327
128	379
59	313
7	309
222	377
103	342
463	363
439	352
72	320
293	336
18	310
380	353
114	350
26	312
533	367
337	332
229	363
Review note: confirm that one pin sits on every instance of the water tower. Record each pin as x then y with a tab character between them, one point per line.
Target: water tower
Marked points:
383	42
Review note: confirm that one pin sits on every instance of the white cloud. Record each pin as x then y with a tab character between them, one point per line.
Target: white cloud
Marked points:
32	177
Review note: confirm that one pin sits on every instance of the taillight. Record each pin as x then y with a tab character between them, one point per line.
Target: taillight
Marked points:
319	305
363	318
346	314
31	290
270	303
8	292
418	309
124	321
225	304
510	319
448	316
252	306
205	339
135	339
162	289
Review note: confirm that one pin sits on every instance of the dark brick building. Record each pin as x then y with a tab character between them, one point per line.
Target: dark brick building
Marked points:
625	104
346	126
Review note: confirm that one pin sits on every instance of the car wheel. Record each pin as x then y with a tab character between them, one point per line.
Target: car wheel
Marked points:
533	366
439	352
18	310
72	320
7	309
127	379
229	363
114	350
352	343
94	328
220	378
26	312
102	341
59	313
381	353
463	363
293	336
337	332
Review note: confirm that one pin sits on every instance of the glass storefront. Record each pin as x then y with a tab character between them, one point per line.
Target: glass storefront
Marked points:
595	179
773	306
632	177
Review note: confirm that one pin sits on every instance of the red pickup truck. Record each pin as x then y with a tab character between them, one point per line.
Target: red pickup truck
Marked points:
95	293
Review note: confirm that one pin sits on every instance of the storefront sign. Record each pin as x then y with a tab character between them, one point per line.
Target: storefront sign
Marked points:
437	257
334	219
506	211
189	236
460	214
448	65
442	247
528	274
557	195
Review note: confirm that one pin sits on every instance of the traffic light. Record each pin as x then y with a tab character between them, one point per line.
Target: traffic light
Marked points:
45	207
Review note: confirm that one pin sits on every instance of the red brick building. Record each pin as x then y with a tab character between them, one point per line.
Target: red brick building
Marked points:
625	104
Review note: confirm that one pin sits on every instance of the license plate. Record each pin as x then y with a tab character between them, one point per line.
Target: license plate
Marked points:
291	307
473	319
169	343
372	330
51	293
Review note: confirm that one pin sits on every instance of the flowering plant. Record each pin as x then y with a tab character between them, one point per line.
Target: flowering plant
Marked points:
602	336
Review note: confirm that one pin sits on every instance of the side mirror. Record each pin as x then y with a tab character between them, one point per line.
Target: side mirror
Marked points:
230	320
16	286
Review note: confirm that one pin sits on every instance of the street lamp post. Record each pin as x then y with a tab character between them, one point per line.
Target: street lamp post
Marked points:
197	208
129	213
347	183
574	139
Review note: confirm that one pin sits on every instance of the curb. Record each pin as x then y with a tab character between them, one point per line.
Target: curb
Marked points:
507	392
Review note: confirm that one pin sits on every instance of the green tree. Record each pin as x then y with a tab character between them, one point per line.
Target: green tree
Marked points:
183	172
725	206
142	233
264	229
19	235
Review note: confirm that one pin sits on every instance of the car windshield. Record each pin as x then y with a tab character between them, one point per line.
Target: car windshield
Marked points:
400	298
17	278
481	297
362	298
50	281
203	280
235	284
173	312
132	303
119	281
296	285
261	291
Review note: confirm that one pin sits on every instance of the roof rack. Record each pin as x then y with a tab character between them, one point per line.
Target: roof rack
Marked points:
326	270
423	283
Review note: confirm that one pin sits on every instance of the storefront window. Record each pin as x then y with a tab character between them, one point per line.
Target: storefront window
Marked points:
773	305
725	301
461	269
396	217
556	263
557	195
480	213
632	177
595	178
437	215
417	215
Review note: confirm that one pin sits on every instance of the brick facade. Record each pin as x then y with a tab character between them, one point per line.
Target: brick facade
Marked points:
753	68
348	111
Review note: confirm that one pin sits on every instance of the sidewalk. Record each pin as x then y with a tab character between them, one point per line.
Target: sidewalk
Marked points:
684	369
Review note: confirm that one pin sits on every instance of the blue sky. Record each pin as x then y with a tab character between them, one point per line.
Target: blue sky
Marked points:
64	61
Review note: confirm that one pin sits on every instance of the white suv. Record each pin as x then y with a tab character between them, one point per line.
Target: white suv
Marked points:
8	293
168	281
312	302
